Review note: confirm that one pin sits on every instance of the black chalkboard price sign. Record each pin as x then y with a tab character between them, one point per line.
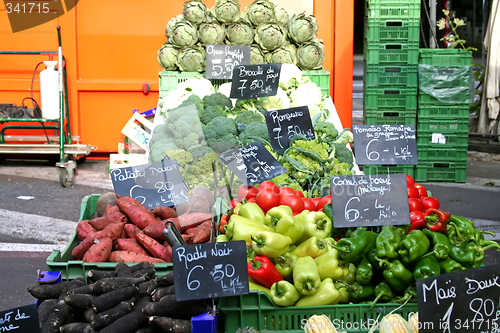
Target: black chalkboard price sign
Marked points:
285	123
463	301
210	270
369	200
252	81
221	60
23	319
155	184
385	144
252	164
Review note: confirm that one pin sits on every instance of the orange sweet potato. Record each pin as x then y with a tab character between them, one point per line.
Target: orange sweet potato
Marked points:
112	231
202	233
127	256
137	213
190	220
99	223
84	229
129	244
154	248
130	230
164	212
99	251
113	213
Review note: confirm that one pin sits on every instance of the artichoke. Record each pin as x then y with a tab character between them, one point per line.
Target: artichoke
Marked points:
285	54
167	57
310	55
239	32
256	55
170	25
226	11
282	15
211	33
260	11
302	28
270	36
191	59
184	33
195	11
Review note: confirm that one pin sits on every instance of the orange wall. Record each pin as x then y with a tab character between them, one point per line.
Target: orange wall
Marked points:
111	50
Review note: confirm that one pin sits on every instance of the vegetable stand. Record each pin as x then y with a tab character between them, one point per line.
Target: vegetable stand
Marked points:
63	144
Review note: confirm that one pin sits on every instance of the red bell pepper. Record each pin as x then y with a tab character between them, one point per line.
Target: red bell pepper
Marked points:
436	219
262	270
416	220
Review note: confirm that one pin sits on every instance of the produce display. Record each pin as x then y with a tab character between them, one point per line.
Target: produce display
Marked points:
128	299
297	256
275	35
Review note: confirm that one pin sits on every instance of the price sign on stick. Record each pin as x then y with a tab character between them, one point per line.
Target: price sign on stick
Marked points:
284	124
22	319
155	184
463	301
385	144
221	60
369	200
252	81
252	164
210	270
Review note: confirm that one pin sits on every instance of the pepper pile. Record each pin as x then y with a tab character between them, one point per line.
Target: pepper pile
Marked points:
299	259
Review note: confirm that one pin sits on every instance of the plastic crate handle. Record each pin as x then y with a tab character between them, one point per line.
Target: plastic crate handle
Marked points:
393	69
392	92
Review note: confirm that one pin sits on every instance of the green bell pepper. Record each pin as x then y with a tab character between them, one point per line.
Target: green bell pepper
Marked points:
364	271
426	267
449	265
289	226
241	228
410	295
343	291
275	214
329	267
440	244
460	230
250	254
306	276
361	292
471	255
284	264
222	238
351	276
270	244
313	247
383	292
315	224
283	293
396	274
259	287
357	245
252	211
413	245
388	241
327	294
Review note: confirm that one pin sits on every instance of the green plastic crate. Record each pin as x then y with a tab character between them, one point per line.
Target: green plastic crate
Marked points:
426	100
391	169
393	76
170	79
445	57
391	2
257	310
431	112
389	117
390	11
442	152
399	30
390	53
438	171
71	269
383	98
449	131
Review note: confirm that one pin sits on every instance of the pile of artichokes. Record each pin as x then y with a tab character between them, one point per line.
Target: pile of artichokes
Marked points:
274	34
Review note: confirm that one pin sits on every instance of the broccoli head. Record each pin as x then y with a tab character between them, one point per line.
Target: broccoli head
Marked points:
220	130
343	154
252	104
248	116
210	113
158	149
255	131
160	132
325	130
193	100
218	99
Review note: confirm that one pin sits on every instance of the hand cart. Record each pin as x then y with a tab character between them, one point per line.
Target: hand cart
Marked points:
64	147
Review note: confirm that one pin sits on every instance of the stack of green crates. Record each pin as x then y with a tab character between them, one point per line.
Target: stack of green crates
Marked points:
443	126
390	82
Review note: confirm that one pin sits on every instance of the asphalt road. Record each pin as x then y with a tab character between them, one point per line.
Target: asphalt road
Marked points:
38	215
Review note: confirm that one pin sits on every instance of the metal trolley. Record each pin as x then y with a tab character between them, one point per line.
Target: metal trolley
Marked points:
65	146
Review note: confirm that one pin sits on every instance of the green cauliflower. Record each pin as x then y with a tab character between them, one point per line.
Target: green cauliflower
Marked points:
218	99
255	131
159	148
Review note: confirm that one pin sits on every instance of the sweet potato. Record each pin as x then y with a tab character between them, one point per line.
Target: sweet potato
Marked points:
129	244
191	220
155	230
137	213
113	213
196	204
99	223
99	251
154	248
130	229
127	256
187	238
84	229
112	231
164	212
202	233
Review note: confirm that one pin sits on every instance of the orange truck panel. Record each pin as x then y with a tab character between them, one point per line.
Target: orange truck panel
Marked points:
110	49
